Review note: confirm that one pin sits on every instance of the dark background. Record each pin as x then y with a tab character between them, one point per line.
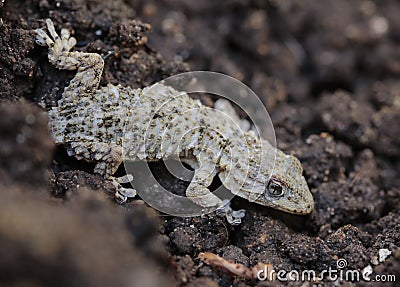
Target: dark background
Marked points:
328	73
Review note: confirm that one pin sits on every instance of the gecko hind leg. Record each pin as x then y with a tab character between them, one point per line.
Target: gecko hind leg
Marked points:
56	43
111	160
89	65
85	83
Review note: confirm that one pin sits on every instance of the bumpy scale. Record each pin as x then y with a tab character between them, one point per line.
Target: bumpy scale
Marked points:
110	124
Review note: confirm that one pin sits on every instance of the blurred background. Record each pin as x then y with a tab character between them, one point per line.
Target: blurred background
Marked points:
327	72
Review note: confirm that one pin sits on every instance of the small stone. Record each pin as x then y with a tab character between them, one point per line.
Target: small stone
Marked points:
383	254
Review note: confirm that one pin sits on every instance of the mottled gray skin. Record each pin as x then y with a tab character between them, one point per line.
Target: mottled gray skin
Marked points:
115	123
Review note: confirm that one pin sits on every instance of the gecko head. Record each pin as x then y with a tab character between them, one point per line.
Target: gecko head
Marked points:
277	182
286	188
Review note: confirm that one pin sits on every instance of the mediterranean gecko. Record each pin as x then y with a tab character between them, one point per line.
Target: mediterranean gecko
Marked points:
111	124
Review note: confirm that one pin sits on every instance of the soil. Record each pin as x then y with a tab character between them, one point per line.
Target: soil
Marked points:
328	73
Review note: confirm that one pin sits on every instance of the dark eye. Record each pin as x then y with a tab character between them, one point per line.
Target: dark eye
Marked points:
275	188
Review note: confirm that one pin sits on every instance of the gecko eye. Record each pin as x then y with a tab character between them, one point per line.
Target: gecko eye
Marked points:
275	188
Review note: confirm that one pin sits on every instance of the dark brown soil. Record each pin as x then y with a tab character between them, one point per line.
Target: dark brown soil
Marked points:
328	73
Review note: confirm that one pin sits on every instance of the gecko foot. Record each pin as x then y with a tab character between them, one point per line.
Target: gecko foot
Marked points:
234	217
122	193
56	43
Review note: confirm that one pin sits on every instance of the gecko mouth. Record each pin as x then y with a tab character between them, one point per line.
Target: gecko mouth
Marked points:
297	211
303	208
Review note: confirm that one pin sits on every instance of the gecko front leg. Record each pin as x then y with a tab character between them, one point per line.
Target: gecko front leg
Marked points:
199	193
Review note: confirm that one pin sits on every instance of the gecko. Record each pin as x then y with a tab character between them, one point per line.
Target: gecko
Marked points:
111	124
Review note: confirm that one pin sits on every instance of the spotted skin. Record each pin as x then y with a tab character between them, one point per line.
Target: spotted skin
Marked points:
111	124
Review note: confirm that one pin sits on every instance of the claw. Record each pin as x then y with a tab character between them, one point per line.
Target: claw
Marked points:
65	34
53	40
234	217
220	212
52	30
238	213
122	193
128	192
124	179
71	43
119	198
233	221
43	39
223	209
